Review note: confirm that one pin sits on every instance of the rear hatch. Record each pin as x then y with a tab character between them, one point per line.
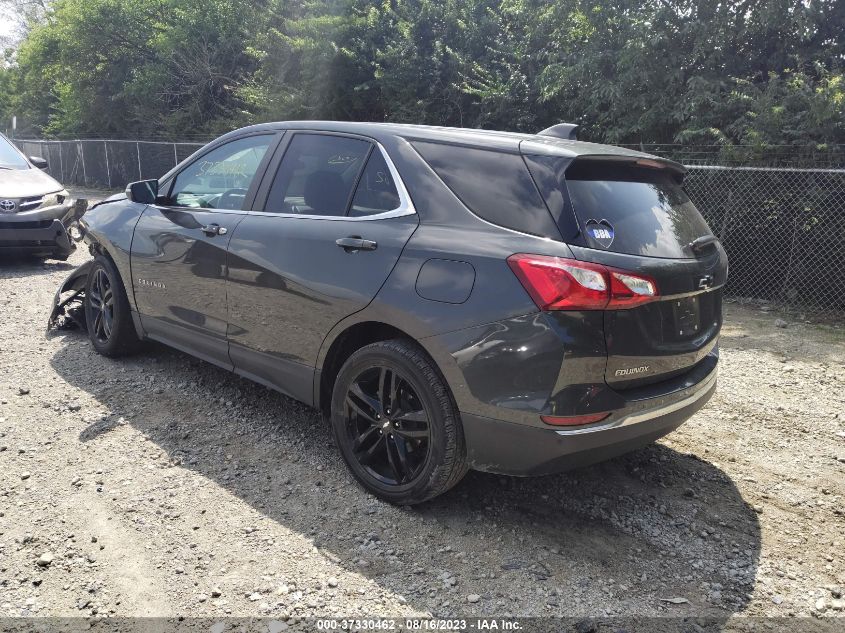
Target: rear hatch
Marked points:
632	214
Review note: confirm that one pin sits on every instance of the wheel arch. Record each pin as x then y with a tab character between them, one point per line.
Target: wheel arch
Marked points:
121	264
346	341
99	248
108	229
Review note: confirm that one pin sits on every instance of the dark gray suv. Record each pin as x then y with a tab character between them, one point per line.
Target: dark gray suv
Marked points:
448	298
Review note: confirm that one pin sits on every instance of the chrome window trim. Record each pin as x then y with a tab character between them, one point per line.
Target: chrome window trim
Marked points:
406	205
201	209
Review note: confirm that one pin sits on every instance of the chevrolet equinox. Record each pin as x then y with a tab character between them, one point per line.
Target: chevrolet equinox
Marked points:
448	298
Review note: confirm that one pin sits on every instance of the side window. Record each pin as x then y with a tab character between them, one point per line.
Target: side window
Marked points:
493	185
221	178
376	192
317	175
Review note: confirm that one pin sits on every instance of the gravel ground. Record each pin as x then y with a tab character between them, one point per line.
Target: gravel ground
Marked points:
161	485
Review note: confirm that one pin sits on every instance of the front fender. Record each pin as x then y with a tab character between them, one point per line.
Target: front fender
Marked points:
108	229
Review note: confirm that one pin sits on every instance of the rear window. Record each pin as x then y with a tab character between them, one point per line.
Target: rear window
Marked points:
633	210
495	186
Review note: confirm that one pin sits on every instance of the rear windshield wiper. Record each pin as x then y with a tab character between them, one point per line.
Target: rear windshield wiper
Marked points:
699	243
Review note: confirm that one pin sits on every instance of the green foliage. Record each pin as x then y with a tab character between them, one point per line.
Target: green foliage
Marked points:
659	71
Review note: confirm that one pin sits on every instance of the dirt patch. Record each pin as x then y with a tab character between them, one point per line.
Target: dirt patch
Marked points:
162	485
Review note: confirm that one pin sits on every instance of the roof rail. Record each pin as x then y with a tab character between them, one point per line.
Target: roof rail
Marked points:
567	131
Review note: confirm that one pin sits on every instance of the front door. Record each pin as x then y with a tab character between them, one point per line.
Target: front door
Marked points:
333	226
180	243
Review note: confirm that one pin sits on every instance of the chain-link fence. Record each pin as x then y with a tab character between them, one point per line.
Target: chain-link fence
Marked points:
107	164
831	156
783	228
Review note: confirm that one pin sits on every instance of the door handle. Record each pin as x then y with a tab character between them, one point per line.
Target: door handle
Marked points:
214	229
356	243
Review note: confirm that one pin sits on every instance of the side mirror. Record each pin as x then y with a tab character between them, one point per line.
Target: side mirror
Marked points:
37	161
143	192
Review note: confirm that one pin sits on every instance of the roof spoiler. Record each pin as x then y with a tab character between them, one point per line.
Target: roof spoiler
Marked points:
568	131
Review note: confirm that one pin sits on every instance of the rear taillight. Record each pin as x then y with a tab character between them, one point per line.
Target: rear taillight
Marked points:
556	283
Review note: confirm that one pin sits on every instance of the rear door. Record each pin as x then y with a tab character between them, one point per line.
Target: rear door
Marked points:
180	243
334	220
634	215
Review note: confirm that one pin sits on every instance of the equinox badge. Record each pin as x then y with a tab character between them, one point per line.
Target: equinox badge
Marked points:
151	284
632	370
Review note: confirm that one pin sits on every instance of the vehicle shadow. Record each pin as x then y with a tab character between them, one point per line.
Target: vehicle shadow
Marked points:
654	533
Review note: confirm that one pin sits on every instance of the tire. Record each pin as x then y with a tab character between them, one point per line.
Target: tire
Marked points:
415	451
110	330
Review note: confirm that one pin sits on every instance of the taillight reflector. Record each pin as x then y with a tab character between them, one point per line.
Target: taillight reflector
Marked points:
557	283
573	420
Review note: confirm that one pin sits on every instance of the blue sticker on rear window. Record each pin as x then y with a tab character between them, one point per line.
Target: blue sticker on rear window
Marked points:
601	232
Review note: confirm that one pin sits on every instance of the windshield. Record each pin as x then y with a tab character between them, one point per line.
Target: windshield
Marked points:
10	157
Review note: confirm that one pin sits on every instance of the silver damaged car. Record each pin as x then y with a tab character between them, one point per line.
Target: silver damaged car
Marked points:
35	209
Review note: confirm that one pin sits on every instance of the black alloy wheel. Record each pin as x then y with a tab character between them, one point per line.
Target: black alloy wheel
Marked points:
387	425
396	423
101	302
107	314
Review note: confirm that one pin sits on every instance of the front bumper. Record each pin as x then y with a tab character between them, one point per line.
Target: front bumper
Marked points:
61	212
42	238
41	231
515	449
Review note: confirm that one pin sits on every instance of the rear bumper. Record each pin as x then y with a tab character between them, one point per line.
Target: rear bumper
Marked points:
515	449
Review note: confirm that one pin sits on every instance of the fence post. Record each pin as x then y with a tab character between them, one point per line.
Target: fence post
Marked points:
138	149
80	151
108	171
797	222
723	231
175	156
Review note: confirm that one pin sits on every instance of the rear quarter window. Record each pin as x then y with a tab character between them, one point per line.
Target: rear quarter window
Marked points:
495	186
376	192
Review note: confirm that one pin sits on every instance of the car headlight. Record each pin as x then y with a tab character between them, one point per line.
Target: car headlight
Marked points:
53	199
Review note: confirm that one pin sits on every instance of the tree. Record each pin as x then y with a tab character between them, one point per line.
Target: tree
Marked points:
653	71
